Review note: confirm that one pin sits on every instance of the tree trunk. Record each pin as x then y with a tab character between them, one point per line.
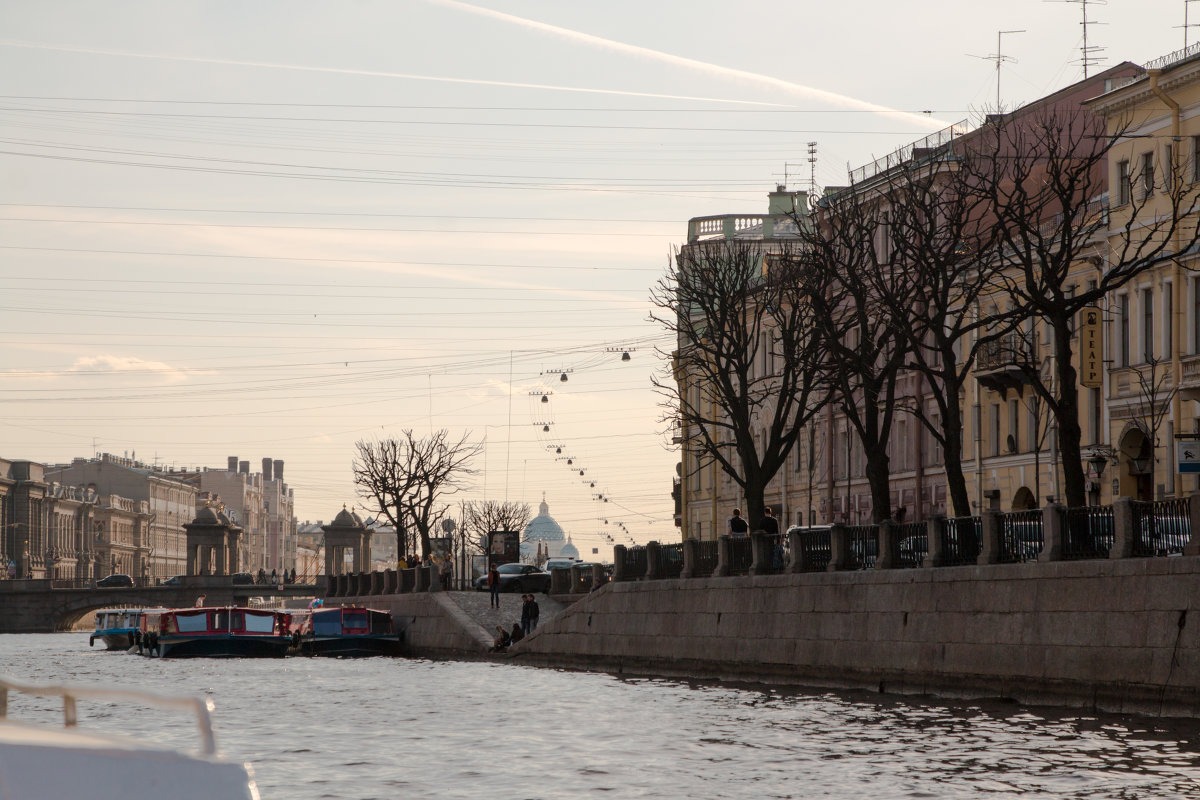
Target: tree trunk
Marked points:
879	477
956	481
1066	414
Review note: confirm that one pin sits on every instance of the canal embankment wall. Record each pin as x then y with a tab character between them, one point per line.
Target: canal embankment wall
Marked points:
1118	635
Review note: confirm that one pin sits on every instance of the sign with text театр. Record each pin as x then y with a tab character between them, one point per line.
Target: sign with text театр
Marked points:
1091	348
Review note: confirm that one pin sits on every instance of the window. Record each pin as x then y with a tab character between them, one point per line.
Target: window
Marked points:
1168	317
1123	331
1013	444
1123	183
995	420
1147	324
1147	174
1168	168
1195	159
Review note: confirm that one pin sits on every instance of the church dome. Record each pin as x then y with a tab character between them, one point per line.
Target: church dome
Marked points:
568	550
346	519
206	516
543	527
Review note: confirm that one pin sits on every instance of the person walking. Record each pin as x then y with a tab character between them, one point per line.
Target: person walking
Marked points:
493	582
737	525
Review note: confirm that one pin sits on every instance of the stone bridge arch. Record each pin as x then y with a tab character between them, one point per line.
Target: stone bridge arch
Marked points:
67	607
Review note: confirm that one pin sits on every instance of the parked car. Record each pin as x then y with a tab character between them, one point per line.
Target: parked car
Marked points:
115	581
518	578
242	578
560	563
175	580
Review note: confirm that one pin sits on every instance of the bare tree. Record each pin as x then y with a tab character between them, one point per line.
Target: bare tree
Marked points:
481	516
408	479
1044	178
1155	393
747	371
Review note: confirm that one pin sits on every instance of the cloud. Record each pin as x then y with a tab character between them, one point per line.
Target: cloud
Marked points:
704	67
109	364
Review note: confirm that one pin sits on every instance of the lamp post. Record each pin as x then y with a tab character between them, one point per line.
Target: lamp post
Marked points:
1099	459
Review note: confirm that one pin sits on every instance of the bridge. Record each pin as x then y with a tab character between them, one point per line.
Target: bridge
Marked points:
34	606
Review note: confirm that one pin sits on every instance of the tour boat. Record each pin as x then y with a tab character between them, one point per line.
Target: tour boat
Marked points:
115	626
345	632
39	761
226	631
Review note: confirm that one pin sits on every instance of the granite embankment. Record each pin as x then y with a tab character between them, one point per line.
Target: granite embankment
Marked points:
1118	635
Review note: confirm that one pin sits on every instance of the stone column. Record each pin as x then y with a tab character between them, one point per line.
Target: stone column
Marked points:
934	528
193	560
1054	530
597	574
795	544
690	554
1124	528
577	580
722	569
840	557
432	584
560	580
1192	548
653	550
887	545
989	548
760	554
619	563
390	582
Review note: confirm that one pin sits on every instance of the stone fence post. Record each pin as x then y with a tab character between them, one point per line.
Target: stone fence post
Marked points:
619	563
690	553
1124	530
760	555
377	579
391	581
796	545
839	547
989	548
560	580
722	569
1054	532
432	584
597	575
935	526
422	580
577	586
1192	548
652	560
886	536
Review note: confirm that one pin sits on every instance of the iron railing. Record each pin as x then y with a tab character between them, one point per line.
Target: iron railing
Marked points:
864	546
1089	533
816	549
776	548
912	543
741	554
706	558
962	538
670	560
1163	528
635	563
1022	534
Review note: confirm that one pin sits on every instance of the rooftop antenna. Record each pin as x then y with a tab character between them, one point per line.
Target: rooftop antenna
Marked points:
786	173
1090	54
1186	25
999	58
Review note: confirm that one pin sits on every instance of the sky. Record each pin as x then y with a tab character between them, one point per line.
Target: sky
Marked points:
276	229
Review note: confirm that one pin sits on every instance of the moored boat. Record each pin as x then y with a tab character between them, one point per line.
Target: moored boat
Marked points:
116	626
220	632
346	632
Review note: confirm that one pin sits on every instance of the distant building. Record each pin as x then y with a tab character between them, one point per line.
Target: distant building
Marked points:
542	528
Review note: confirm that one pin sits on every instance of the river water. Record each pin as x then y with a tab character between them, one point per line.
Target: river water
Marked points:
397	728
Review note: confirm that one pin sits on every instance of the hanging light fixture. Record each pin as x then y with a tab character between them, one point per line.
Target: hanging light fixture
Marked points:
625	356
558	450
545	428
580	472
593	484
563	378
569	462
545	399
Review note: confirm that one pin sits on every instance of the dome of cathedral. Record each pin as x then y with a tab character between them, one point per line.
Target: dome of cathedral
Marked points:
543	527
568	550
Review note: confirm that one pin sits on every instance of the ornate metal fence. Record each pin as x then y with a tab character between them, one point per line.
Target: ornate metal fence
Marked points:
912	543
741	554
864	545
1089	533
1162	527
961	540
706	558
635	563
1021	536
670	560
816	549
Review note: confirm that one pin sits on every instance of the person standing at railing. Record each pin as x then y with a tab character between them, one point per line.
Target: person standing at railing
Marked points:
769	524
737	525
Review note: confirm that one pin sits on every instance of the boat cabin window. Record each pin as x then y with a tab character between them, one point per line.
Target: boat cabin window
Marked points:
259	623
220	620
354	619
327	623
192	622
381	623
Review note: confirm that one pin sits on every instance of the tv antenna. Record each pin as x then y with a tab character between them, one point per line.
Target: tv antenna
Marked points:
999	58
1090	54
1186	25
812	167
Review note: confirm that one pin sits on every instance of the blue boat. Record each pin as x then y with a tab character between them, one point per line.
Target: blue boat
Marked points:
115	626
346	632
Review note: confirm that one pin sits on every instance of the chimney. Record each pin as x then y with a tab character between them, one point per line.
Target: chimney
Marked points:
266	469
244	467
233	463
278	470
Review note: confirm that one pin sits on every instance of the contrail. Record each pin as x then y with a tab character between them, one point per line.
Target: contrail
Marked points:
795	89
377	74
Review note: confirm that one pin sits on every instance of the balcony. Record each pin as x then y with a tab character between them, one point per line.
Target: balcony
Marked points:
1007	363
1189	381
742	226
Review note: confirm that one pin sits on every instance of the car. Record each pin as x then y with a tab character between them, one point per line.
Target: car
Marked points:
560	563
175	580
114	582
239	578
518	578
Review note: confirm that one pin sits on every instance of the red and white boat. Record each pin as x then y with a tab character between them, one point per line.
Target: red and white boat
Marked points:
218	632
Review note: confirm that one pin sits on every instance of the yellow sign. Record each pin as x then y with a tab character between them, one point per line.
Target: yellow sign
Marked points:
1091	348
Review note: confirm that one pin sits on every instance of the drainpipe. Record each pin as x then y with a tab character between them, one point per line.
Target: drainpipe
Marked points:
1176	269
